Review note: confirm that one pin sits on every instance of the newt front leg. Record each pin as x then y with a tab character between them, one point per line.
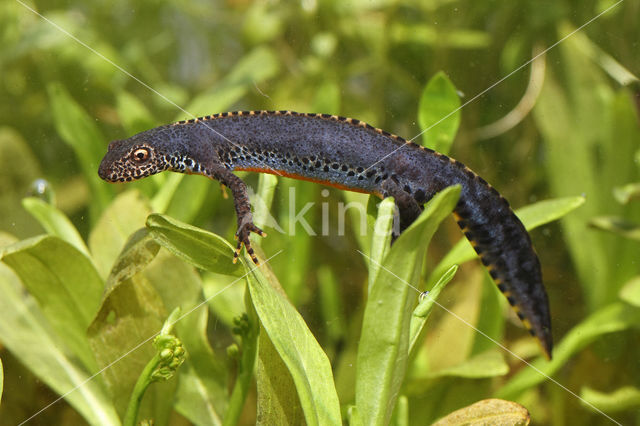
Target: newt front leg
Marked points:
243	210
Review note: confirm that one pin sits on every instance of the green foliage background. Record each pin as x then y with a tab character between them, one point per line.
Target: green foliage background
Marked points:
106	274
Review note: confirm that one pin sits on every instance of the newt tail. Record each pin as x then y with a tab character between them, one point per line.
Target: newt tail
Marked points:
351	155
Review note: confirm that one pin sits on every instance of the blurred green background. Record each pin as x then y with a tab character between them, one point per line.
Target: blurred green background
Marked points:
573	129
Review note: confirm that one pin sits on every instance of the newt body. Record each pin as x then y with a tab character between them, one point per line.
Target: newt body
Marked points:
352	155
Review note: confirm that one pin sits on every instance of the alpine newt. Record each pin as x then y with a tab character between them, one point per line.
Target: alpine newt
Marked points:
351	155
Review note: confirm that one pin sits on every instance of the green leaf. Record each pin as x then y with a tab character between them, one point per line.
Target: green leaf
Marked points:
65	284
203	249
137	253
423	310
122	218
622	399
610	319
79	131
201	394
546	211
616	225
55	222
384	343
532	216
438	113
305	360
28	335
129	318
488	411
278	401
630	293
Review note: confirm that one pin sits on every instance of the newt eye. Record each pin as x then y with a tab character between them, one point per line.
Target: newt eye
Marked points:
140	155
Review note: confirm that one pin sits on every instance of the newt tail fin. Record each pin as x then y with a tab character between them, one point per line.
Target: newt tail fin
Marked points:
505	248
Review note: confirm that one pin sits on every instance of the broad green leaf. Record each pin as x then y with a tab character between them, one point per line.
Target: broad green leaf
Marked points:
201	248
622	399
532	216
630	293
28	335
125	215
438	113
425	305
616	225
80	132
133	299
121	335
488	412
384	343
305	360
137	253
65	284
610	319
278	401
55	222
167	283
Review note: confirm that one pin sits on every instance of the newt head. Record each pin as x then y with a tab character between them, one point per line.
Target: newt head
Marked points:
131	159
